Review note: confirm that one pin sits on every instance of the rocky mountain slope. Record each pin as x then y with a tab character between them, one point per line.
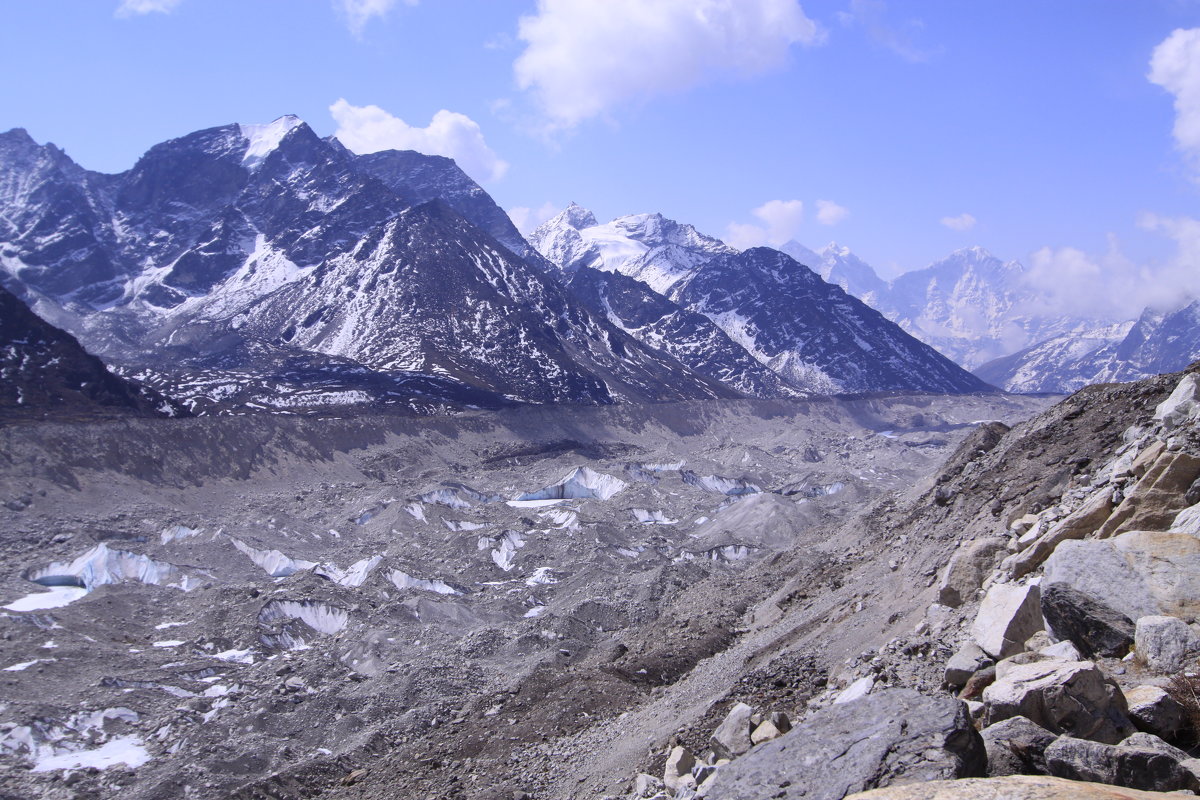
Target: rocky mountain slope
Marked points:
224	257
1156	342
810	334
45	373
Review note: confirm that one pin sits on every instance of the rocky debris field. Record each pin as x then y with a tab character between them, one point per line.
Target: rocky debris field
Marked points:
534	602
1052	650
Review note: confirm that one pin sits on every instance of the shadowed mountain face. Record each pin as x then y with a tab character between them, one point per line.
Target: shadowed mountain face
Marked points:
225	256
759	320
45	372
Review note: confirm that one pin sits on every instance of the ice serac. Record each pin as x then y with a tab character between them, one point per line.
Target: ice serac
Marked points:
1157	342
811	333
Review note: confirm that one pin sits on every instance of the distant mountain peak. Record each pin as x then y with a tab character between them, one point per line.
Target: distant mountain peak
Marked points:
577	217
262	140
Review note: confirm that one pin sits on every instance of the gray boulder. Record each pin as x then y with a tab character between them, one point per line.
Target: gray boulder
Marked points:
1166	644
1071	697
1081	522
1118	765
1008	615
891	736
1099	570
1094	628
968	660
968	567
1154	711
732	737
1169	564
1016	746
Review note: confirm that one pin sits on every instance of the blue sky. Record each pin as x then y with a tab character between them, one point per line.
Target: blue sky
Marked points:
1030	128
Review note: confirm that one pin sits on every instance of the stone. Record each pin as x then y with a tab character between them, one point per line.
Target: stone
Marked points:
1094	628
1064	650
1166	644
1154	711
968	568
1145	459
1076	525
1148	741
1100	570
1008	615
732	736
1038	641
1183	404
1155	500
1012	787
647	785
1071	697
765	732
1117	765
781	721
860	688
1187	521
1169	564
678	771
978	682
965	662
1023	523
1016	746
891	736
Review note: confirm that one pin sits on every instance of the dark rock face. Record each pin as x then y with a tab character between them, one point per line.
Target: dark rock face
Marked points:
893	736
812	333
1016	746
1090	625
223	256
44	371
690	337
1117	765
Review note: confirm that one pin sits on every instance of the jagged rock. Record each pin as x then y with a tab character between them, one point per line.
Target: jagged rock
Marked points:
678	771
647	785
732	736
1076	525
894	735
1022	524
1154	711
968	660
1145	459
1148	741
1099	570
1011	787
1016	746
1007	616
968	567
1188	520
1169	564
1064	650
781	721
1183	404
860	688
1166	644
1087	623
1072	697
765	732
1117	765
1157	497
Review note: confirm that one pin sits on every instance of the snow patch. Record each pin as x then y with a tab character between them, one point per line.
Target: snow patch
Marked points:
263	139
581	482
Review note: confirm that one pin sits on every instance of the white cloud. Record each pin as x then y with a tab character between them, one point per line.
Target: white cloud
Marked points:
359	12
963	222
781	220
527	219
901	38
1110	285
1175	66
585	57
830	213
135	8
368	129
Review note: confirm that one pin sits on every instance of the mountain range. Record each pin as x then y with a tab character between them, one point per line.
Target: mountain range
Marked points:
261	266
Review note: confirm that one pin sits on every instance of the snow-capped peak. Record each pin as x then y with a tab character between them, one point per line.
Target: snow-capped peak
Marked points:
263	139
577	217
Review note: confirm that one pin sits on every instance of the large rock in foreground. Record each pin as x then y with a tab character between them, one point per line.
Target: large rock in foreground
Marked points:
1013	787
894	736
1071	697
